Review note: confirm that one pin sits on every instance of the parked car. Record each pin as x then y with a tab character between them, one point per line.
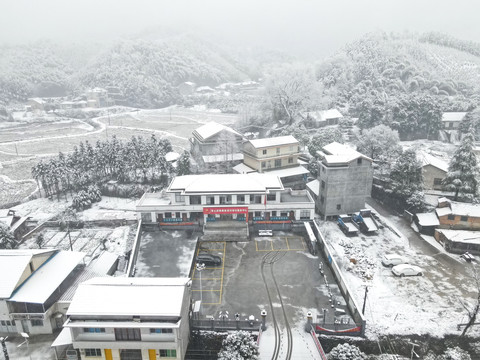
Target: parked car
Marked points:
392	260
407	270
209	259
467	257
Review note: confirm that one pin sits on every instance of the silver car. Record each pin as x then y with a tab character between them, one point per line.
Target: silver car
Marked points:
407	270
392	260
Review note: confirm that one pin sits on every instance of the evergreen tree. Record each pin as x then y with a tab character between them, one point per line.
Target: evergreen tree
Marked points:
463	172
183	164
324	137
7	240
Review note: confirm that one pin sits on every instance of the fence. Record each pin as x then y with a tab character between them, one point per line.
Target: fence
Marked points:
342	285
226	325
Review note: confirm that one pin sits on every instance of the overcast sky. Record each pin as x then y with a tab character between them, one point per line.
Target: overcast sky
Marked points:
303	26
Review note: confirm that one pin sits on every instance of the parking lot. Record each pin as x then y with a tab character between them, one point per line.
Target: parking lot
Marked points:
237	285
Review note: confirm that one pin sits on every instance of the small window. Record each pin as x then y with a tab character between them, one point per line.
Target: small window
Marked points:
437	181
161	331
322	199
271	197
463	218
359	161
36	322
93	352
290	160
278	163
339	206
274	213
291	147
2	322
177	215
8	323
323	184
168	353
264	164
94	330
264	152
278	150
451	217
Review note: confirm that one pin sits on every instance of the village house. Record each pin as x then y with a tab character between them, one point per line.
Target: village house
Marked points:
118	318
322	118
345	178
36	104
214	143
452	120
36	280
16	224
459	241
434	170
186	88
276	156
458	215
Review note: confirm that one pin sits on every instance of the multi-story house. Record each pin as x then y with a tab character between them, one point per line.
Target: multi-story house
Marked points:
118	318
33	282
277	156
271	153
345	178
200	199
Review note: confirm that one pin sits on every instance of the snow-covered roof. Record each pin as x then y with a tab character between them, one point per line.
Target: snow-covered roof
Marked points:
64	338
189	83
460	209
427	219
222	157
14	263
205	89
314	186
274	141
37	100
172	156
428	159
101	266
243	169
324	115
291	171
221	183
212	128
340	153
46	279
471	237
453	116
120	296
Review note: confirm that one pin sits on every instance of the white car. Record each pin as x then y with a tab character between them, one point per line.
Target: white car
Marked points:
407	270
392	260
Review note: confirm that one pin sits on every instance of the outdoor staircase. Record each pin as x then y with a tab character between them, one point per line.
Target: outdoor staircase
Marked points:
225	231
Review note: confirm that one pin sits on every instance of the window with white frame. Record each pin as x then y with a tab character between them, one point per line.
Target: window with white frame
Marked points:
93	352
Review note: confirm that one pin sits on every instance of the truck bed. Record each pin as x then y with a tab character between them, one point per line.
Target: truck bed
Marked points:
369	224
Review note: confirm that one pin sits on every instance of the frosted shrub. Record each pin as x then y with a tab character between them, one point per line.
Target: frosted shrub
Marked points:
346	352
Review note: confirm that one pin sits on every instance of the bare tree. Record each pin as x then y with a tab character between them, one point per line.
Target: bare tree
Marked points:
291	89
472	308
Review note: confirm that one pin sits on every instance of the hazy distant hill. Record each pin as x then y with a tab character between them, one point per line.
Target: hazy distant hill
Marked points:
146	71
392	64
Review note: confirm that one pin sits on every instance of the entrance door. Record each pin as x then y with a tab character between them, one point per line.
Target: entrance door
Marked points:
131	354
25	326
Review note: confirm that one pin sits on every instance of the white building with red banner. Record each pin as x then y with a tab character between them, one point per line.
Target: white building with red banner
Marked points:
204	199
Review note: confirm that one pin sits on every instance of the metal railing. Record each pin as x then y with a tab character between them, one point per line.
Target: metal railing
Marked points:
225	325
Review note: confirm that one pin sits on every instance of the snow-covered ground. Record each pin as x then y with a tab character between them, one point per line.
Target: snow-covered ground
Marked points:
429	304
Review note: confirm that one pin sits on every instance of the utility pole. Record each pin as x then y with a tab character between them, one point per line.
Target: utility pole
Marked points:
365	300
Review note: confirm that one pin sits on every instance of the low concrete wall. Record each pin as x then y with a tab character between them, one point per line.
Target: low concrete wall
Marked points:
342	285
134	254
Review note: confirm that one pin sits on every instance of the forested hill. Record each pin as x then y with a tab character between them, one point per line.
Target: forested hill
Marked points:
401	80
146	71
391	64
